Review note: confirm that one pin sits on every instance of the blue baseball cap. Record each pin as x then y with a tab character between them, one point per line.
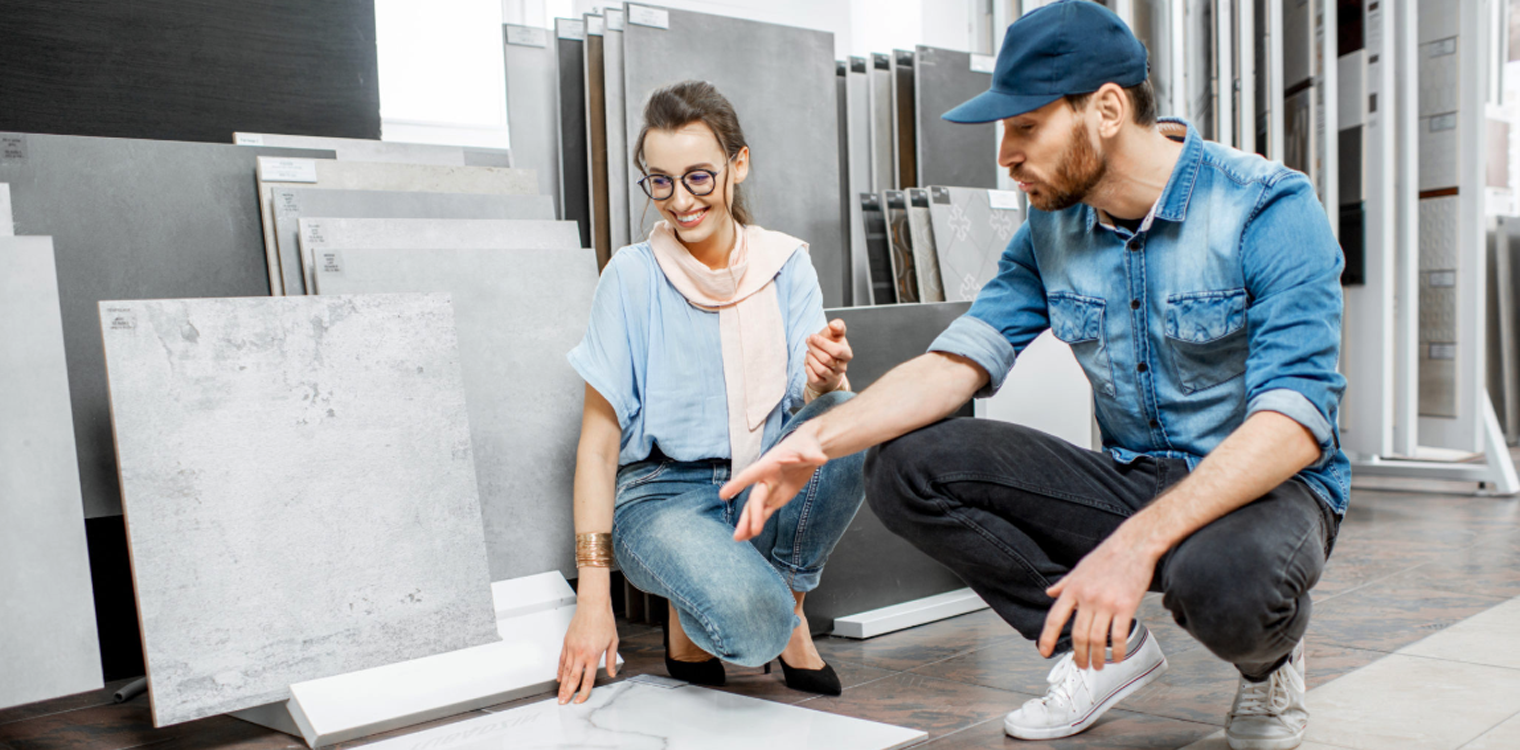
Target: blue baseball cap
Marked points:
1067	47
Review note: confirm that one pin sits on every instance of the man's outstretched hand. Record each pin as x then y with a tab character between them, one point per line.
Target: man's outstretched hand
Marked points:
777	477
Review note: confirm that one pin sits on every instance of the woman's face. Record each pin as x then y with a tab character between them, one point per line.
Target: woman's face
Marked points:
674	153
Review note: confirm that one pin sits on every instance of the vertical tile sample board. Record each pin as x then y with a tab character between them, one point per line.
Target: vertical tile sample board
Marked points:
326	240
132	220
972	228
361	175
519	312
596	137
771	93
574	185
290	204
47	609
299	491
645	713
904	274
906	119
951	153
532	118
925	259
169	70
872	567
873	218
619	174
6	228
361	149
858	179
883	124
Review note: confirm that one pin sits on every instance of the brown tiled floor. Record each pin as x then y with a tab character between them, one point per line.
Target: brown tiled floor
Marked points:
1406	565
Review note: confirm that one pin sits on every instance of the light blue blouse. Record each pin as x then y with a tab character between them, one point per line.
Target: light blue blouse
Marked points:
659	361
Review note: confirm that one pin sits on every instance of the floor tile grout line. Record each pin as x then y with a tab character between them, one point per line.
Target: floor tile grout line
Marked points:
931	740
1482	734
107	702
1428	657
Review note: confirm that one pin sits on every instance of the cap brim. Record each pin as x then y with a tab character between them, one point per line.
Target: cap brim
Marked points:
991	106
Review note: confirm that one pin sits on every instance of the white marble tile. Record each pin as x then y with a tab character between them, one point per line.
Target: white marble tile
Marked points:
359	175
290	204
1491	637
1412	703
636	715
520	312
7	223
361	149
299	491
1506	736
322	237
47	611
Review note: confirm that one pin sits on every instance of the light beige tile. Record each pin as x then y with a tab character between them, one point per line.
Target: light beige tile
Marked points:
1216	741
1485	638
1506	736
1411	703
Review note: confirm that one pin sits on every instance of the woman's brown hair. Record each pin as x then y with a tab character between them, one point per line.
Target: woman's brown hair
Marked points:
680	104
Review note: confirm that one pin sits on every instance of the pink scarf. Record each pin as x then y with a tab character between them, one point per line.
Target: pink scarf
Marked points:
750	323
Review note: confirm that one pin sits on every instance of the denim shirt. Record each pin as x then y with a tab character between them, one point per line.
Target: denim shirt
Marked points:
1225	303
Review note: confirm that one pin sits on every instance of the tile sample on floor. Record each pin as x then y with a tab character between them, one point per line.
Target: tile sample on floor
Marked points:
299	491
596	135
181	221
519	312
323	241
619	166
532	85
921	235
952	153
50	648
873	218
900	241
972	227
638	713
362	175
574	169
359	149
6	229
771	93
291	204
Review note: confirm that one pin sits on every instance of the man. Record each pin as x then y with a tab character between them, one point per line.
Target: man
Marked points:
1198	287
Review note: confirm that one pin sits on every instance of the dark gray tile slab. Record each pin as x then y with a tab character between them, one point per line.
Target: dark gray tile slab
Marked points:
532	118
873	219
47	610
133	220
970	235
776	77
299	489
574	171
519	312
951	153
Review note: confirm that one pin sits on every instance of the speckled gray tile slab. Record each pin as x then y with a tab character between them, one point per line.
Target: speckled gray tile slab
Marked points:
359	149
970	235
925	259
360	175
772	93
324	240
133	219
47	610
6	230
532	83
951	153
290	204
299	491
520	312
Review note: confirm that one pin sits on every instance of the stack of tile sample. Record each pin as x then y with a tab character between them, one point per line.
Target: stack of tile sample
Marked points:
532	88
359	149
972	227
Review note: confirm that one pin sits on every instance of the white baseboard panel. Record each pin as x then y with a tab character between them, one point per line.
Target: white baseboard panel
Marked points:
908	614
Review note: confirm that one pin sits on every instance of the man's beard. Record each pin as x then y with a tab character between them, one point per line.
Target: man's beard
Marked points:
1080	170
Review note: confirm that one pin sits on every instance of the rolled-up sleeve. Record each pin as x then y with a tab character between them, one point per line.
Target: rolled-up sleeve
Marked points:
1292	267
1007	314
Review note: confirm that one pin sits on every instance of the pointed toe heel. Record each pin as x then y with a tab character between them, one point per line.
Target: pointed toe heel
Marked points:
823	680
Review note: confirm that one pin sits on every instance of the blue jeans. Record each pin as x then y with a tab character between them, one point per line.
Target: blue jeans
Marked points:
673	537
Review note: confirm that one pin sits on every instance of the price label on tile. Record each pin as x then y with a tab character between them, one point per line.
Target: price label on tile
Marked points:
1443	122
1007	200
1443	279
285	203
13	148
983	63
313	232
570	28
248	139
527	36
120	318
644	15
330	263
287	170
1443	351
614	19
596	25
1443	47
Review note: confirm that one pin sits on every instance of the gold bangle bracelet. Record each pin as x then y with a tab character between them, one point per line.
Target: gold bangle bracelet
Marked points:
593	550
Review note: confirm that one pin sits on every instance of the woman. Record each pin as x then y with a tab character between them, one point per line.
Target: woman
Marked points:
702	342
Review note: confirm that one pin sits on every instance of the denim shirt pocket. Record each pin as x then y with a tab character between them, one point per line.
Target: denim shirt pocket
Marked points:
1206	334
1078	320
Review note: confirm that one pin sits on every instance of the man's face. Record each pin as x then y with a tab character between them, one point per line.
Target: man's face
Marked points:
1050	153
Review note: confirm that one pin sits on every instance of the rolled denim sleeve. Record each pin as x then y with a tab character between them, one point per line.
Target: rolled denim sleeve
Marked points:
1008	313
1292	267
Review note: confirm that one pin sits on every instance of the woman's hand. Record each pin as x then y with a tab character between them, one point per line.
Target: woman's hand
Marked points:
592	635
828	357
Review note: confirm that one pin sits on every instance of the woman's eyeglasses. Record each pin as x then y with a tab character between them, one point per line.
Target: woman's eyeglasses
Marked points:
698	182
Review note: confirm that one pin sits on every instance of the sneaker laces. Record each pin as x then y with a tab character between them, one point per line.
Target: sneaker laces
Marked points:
1270	697
1065	680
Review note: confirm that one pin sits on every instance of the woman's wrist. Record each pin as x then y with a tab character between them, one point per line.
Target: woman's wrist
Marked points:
594	585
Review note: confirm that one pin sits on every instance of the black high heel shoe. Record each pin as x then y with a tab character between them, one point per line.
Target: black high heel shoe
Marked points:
823	680
708	672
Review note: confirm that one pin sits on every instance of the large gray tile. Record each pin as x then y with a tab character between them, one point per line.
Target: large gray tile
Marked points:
570	88
532	88
1412	702
857	180
969	236
925	258
793	186
299	491
951	153
619	181
1485	638
519	313
6	228
360	149
324	240
47	608
291	204
133	219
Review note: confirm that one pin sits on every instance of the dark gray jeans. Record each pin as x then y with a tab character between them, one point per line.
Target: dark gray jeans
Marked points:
1011	510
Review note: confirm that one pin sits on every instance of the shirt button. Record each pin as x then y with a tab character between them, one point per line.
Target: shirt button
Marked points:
1134	304
1155	424
1141	367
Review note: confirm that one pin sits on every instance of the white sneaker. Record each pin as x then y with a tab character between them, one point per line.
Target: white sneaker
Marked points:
1077	697
1270	715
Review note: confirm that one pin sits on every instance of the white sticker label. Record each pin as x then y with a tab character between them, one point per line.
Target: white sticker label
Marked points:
644	15
287	170
1443	47
313	231
1440	123
285	203
596	25
1443	351
249	139
330	262
983	63
1004	199
120	318
13	147
614	19
527	36
1443	279
570	28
